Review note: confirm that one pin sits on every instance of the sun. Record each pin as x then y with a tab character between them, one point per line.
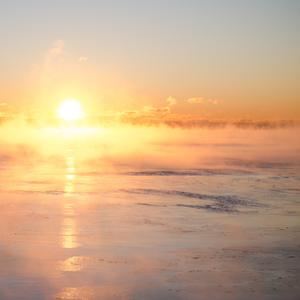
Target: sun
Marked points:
70	110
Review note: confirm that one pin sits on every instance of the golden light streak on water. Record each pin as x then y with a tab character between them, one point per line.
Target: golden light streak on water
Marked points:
72	293
69	226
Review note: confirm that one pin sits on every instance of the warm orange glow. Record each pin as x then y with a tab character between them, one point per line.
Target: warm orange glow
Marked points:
70	110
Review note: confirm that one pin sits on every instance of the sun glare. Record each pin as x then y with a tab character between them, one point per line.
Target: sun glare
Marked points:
70	110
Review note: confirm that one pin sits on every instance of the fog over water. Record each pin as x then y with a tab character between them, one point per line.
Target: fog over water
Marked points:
149	213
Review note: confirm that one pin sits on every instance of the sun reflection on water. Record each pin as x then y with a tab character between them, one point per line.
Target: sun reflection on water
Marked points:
75	293
69	230
69	233
70	175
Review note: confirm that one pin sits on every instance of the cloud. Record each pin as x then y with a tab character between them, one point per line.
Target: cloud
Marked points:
55	53
150	116
147	116
214	101
150	112
195	100
6	112
54	57
171	101
57	48
201	100
156	110
82	59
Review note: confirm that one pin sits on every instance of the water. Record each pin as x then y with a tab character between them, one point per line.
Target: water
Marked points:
154	214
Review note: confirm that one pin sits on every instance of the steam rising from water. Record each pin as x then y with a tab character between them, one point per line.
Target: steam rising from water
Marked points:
140	149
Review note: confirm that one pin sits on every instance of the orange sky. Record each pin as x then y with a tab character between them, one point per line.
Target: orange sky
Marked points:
228	60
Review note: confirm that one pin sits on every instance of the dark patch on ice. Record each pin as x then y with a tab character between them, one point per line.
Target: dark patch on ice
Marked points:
280	177
228	198
192	172
214	207
286	190
150	204
52	192
49	192
224	203
292	190
260	164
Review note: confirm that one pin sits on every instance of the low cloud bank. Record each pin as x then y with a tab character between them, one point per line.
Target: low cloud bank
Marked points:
195	121
148	116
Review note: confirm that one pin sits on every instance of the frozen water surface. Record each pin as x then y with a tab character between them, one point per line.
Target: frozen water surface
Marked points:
209	220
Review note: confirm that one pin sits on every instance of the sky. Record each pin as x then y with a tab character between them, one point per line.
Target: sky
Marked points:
224	59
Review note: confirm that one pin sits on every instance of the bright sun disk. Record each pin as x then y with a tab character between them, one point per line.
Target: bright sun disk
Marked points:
70	110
